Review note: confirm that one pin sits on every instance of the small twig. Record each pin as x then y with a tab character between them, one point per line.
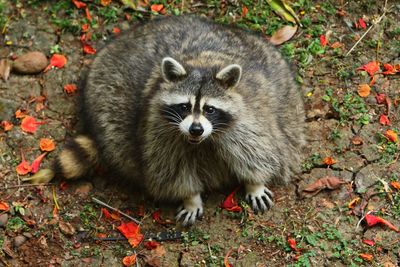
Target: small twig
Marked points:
367	31
115	209
24	185
362	218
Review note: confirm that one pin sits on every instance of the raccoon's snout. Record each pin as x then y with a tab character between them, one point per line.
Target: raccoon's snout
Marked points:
196	129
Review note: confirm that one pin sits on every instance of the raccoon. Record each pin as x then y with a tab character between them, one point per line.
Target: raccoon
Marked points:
182	105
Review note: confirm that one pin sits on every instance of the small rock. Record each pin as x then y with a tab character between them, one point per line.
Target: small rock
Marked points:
66	228
84	189
30	63
3	219
19	240
27	235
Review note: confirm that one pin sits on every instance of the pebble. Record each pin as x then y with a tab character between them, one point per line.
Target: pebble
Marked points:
19	240
3	219
30	63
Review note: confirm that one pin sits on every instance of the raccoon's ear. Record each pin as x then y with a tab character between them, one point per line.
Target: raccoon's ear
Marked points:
230	75
172	70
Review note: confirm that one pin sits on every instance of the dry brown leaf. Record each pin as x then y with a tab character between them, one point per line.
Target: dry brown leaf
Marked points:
328	182
283	34
5	68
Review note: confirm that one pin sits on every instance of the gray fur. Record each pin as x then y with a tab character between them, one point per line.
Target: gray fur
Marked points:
125	88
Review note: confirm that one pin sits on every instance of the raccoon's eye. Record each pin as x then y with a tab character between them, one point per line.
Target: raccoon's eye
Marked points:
209	109
184	107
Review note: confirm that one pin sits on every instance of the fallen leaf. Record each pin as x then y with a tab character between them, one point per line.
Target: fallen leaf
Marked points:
29	124
369	242
85	27
129	260
391	136
374	220
4	206
150	245
79	4
5	69
384	120
292	244
245	10
19	114
47	144
157	217
116	30
36	163
23	168
353	203
281	8
328	182
156	7
70	88
370	67
56	61
329	161
283	34
226	262
362	23
395	184
230	204
66	228
336	45
389	69
131	231
367	257
357	140
111	216
323	40
380	98
88	49
364	90
105	2
6	125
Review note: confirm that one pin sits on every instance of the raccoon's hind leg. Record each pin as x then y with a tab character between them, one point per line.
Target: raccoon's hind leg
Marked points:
78	157
259	197
191	209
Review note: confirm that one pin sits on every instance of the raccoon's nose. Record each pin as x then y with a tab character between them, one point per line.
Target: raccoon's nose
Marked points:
196	129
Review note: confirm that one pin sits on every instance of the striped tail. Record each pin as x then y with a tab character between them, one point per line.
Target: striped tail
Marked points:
78	158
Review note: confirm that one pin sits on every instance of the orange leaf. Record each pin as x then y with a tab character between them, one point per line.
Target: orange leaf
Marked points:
156	8
135	241
373	220
131	231
369	242
85	27
87	13
353	203
323	40
370	67
129	260
245	10
329	161
56	61
7	126
23	168
389	69
391	135
4	206
116	31
47	144
29	124
230	203
384	120
19	114
79	4
150	245
36	163
367	257
105	2
88	49
226	262
395	184
328	182
364	90
70	88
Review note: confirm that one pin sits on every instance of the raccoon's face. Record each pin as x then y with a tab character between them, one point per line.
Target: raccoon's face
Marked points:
196	102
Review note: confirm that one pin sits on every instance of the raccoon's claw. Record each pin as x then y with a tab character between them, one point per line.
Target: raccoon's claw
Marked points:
191	210
259	197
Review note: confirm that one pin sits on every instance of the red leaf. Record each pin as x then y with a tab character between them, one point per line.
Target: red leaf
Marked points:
106	213
7	126
362	24
391	135
116	31
36	163
245	10
4	206
370	67
380	98
56	61
79	4
230	203
23	168
150	245
85	27
88	16
389	69
323	40
395	184
384	120
157	217
70	88
29	124
373	220
88	49
292	243
131	231
129	260
156	8
367	257
369	242
226	262
329	161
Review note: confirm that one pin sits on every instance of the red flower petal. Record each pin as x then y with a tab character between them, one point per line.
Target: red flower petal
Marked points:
389	69
150	245
23	168
230	203
4	206
88	49
323	40
367	257
88	16
57	61
6	125
79	4
362	24
369	242
373	220
70	88
156	8
29	124
292	244
370	67
380	98
36	163
131	231
384	120
245	10
129	260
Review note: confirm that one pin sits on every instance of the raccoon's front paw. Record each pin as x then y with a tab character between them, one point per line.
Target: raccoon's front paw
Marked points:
191	209
259	196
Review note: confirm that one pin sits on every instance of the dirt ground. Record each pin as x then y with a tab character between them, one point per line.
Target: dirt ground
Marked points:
352	136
